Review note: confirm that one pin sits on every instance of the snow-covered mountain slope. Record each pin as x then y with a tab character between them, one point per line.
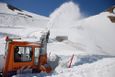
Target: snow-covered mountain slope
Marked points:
6	8
93	34
15	17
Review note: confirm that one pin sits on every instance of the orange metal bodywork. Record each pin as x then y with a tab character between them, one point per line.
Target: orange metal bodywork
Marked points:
11	66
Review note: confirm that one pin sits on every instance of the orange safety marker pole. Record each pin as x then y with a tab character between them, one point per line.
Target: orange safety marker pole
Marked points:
71	61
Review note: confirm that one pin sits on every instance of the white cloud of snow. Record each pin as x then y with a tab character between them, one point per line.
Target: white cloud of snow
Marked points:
92	34
66	13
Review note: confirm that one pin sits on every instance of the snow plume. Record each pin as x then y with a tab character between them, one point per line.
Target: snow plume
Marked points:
93	34
63	19
65	14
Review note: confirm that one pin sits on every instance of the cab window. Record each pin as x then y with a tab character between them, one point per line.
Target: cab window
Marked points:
36	56
22	54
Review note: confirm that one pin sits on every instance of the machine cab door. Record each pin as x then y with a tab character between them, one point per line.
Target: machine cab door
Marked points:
22	57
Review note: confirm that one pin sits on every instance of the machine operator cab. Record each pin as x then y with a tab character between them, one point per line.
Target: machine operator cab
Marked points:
24	54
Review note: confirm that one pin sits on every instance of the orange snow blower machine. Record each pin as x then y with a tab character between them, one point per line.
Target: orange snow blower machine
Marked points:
22	55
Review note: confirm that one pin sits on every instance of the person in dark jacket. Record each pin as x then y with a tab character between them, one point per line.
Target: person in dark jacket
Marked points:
17	56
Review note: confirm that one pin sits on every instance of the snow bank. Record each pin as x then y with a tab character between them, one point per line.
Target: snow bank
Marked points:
101	68
100	32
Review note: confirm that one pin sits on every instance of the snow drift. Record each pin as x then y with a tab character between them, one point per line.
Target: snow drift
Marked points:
102	68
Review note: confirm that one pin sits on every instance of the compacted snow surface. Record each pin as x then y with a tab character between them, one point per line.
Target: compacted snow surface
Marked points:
90	41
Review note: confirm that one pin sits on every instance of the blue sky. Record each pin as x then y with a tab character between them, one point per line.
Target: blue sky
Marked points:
46	7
